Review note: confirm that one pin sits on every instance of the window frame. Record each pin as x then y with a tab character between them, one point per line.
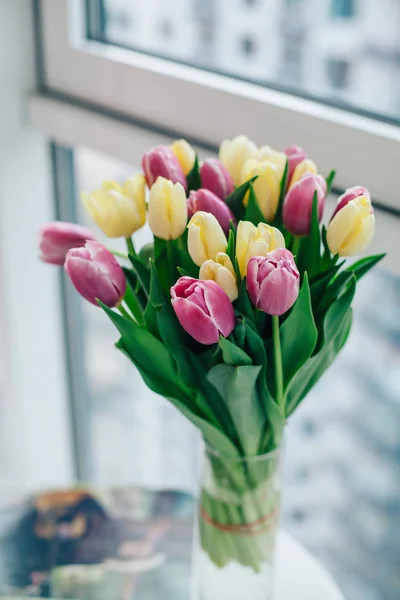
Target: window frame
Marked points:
207	107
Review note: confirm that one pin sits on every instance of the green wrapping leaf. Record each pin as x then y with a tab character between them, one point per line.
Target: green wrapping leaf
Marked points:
235	200
277	222
332	292
237	386
193	177
134	297
327	260
329	181
362	266
298	334
239	334
141	272
232	355
253	212
231	248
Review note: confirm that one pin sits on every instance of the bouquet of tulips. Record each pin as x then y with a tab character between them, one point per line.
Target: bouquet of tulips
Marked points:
241	302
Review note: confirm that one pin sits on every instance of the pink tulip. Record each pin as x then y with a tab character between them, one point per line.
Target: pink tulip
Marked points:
216	177
203	309
296	154
207	201
297	206
273	282
162	162
351	194
96	274
57	237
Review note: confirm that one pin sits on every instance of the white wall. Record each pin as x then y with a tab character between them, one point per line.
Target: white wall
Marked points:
34	440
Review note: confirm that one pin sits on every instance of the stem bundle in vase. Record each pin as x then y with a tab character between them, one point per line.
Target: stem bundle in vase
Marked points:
234	311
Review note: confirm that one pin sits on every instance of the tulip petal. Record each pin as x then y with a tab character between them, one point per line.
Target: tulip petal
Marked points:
195	322
278	292
220	308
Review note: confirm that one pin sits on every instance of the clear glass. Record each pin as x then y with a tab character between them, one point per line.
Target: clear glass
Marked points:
238	512
344	52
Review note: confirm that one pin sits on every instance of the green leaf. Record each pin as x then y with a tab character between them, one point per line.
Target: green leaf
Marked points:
237	386
143	347
141	272
316	366
156	295
336	312
232	354
146	253
298	334
309	255
239	334
243	303
253	212
362	266
186	263
212	435
230	250
329	181
320	283
235	200
193	177
277	222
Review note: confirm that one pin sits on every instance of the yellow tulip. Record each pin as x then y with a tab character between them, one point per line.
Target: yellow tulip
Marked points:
119	210
306	166
222	272
234	153
266	186
278	158
167	209
185	155
352	228
255	241
205	238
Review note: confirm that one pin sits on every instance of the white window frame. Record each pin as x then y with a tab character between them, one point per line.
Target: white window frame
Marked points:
209	107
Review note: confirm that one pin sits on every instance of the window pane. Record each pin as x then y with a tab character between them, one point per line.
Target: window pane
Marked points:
342	51
342	491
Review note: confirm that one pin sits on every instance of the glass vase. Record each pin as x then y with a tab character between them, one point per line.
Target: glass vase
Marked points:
238	512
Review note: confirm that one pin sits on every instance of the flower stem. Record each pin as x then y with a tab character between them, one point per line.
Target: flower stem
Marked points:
296	246
119	254
131	247
277	360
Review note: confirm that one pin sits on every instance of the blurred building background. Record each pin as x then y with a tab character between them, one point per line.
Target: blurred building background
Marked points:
345	51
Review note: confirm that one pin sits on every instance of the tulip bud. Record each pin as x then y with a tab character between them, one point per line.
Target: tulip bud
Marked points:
305	166
352	227
205	238
57	237
215	177
167	209
206	201
297	206
266	186
222	272
351	194
255	241
203	309
296	154
273	282
234	153
96	274
185	155
278	158
119	210
162	162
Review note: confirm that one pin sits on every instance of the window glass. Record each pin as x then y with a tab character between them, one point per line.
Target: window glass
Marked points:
342	489
312	48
